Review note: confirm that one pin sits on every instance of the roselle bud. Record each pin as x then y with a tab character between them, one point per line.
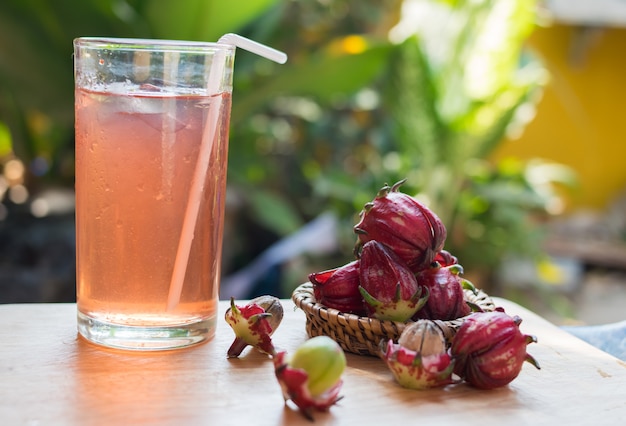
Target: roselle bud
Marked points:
388	286
403	224
420	360
445	286
489	349
311	377
253	324
423	336
339	288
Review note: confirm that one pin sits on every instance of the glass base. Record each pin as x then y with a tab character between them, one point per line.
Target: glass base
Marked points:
155	338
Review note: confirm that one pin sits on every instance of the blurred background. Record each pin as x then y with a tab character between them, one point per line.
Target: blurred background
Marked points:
505	117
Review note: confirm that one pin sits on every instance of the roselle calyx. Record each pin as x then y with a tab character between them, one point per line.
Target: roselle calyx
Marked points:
312	376
489	349
253	324
420	359
445	258
339	288
445	286
389	288
403	224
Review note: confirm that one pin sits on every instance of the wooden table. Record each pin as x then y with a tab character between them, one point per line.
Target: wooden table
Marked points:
49	376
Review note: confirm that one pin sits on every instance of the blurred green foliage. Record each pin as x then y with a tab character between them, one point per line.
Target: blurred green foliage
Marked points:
460	83
373	92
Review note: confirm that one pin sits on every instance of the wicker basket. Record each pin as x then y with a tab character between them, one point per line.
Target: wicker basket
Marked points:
362	335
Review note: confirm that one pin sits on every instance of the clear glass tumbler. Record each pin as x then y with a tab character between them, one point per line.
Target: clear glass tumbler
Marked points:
152	120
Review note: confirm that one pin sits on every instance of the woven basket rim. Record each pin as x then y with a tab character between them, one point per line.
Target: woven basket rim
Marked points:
360	334
303	297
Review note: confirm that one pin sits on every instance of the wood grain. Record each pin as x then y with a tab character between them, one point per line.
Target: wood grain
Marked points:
48	375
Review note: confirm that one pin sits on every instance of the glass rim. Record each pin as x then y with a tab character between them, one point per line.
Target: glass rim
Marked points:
147	44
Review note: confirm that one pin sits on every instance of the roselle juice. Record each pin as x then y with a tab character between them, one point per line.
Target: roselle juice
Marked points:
135	160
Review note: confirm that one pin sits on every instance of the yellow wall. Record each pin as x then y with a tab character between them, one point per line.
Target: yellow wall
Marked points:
581	119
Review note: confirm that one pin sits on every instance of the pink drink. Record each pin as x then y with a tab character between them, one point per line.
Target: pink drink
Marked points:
135	160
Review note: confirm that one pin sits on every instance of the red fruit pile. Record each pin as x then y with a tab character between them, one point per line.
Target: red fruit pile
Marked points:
402	273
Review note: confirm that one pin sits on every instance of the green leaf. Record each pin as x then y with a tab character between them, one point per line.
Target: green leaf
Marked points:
274	211
205	20
496	52
411	97
5	140
504	115
323	76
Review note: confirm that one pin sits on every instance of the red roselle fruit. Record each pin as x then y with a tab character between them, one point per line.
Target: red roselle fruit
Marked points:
403	224
388	286
339	288
489	349
446	299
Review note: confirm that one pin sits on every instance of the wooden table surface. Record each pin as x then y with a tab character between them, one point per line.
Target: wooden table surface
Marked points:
49	376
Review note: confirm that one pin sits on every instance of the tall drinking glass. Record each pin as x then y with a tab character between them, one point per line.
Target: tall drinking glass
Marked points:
152	120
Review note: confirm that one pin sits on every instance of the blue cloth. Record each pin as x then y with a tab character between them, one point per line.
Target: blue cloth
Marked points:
610	338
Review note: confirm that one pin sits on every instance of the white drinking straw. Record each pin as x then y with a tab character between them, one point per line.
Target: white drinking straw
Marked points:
202	166
254	47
